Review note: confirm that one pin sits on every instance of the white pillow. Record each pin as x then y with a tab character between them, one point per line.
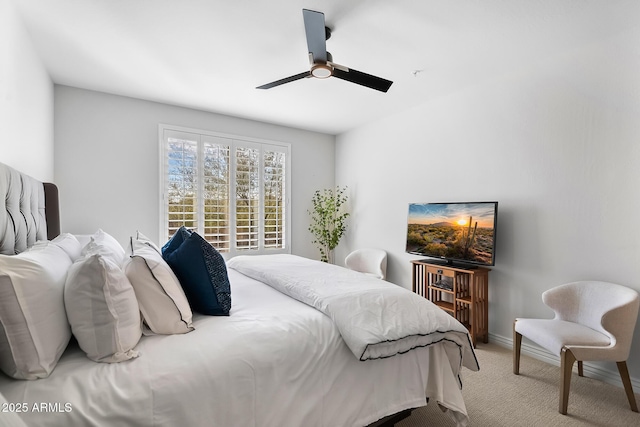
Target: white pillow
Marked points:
33	325
70	244
164	306
83	239
147	241
102	309
106	245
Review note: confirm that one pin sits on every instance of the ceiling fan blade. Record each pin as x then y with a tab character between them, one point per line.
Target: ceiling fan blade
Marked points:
285	80
364	79
316	37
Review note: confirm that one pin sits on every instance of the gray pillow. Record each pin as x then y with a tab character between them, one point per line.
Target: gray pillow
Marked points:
164	306
33	324
102	309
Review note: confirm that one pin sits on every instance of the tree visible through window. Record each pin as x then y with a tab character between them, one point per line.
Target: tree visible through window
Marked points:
231	191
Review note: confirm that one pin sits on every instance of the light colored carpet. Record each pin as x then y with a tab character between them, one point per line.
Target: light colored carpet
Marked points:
496	397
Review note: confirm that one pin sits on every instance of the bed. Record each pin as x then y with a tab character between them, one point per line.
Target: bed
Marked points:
273	361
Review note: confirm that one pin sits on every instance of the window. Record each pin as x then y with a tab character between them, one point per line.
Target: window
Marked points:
232	190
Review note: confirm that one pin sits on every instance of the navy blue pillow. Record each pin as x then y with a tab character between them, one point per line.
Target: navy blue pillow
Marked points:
201	271
176	240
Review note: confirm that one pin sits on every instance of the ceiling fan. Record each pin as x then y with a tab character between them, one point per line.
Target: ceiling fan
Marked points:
322	65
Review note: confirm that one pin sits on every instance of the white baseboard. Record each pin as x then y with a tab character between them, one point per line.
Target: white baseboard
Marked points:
591	371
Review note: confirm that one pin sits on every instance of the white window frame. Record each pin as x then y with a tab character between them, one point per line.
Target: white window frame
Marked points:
235	141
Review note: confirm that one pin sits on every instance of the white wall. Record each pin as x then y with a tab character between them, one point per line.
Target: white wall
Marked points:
26	100
107	162
558	150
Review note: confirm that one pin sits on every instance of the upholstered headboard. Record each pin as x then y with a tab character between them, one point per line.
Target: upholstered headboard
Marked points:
28	211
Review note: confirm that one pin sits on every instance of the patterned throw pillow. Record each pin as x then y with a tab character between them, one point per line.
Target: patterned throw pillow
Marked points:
201	271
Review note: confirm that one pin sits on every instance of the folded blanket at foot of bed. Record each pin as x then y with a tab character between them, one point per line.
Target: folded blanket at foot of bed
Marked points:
376	319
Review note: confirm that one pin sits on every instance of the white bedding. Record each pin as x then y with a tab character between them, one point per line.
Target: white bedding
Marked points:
273	362
376	319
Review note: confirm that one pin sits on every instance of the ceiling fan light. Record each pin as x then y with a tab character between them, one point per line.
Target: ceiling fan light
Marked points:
321	71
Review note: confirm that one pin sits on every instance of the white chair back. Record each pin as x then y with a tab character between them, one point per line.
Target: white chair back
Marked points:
369	261
605	307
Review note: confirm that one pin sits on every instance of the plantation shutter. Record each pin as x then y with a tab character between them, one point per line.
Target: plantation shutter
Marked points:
233	192
247	170
181	164
274	197
215	192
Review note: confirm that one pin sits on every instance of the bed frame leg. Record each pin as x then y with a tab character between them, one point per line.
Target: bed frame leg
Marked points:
391	420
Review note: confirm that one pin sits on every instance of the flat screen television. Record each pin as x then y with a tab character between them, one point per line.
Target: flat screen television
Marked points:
456	233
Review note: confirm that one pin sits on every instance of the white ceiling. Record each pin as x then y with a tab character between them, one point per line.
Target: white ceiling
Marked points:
211	54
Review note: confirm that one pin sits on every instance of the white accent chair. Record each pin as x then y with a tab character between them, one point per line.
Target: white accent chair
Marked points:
593	321
369	261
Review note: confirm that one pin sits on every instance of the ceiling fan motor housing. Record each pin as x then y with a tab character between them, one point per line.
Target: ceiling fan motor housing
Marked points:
321	71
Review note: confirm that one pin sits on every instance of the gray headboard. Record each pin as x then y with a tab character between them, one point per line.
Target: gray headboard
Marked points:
28	211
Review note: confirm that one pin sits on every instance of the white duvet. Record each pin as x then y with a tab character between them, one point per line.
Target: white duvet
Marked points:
377	319
274	362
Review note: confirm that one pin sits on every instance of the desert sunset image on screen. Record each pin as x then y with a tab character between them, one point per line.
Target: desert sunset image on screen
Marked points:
457	231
